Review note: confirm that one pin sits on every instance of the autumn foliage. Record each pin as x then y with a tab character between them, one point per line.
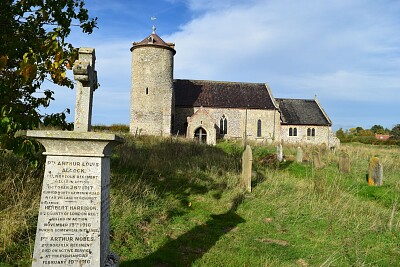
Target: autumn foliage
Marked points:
33	48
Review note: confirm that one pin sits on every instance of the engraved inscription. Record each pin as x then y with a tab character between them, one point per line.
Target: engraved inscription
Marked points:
70	211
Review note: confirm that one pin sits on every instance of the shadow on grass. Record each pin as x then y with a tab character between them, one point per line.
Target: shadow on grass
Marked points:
192	245
172	168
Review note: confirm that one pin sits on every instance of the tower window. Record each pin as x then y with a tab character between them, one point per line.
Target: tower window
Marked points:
223	125
147	90
259	128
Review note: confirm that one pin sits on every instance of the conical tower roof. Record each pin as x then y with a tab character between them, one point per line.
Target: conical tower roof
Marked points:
154	40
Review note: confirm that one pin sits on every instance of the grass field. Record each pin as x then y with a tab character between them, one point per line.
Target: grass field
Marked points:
175	203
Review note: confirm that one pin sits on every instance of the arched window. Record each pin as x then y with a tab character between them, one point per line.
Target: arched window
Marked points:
294	131
290	131
223	125
308	131
312	132
259	128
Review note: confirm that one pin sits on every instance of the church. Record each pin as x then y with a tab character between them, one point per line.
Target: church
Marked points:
210	110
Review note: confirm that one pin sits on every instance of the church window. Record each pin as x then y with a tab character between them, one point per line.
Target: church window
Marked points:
310	132
223	125
147	90
259	128
292	131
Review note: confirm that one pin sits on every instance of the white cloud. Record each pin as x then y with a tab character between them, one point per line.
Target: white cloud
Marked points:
343	51
342	85
351	46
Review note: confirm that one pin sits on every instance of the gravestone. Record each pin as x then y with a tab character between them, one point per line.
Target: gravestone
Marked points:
247	162
73	226
323	149
279	154
299	155
344	163
375	175
317	160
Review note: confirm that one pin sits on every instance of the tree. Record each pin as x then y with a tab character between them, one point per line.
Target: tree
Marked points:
359	129
378	129
366	133
33	48
395	132
340	134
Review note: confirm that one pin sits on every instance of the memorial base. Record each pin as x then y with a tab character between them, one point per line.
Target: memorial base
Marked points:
73	224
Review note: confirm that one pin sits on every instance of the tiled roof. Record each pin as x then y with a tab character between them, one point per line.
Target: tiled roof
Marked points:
196	93
302	112
153	40
383	137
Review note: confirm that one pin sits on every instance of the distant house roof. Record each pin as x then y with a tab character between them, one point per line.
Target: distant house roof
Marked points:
197	93
154	40
383	137
302	112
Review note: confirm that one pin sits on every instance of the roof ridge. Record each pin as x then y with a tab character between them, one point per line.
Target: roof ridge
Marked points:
294	98
214	81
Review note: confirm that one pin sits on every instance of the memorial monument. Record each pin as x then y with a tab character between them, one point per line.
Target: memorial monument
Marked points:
73	224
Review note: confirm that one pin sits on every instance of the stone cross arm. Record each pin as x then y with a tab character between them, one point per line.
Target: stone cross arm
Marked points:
83	72
86	81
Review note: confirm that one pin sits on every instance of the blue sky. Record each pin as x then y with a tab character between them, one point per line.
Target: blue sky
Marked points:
347	52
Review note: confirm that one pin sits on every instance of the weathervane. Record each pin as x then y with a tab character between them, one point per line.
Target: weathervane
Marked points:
154	27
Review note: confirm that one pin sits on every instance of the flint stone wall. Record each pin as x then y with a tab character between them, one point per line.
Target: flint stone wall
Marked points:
152	98
236	122
323	135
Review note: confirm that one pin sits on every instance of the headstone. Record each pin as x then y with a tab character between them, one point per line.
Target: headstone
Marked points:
247	161
344	163
317	160
323	149
299	155
375	175
279	153
73	226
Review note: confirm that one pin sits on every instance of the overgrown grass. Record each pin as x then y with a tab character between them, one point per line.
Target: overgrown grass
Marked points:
178	203
20	187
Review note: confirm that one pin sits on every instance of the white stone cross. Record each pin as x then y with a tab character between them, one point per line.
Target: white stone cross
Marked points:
86	79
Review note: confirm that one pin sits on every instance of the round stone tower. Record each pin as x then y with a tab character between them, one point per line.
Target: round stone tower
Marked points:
152	89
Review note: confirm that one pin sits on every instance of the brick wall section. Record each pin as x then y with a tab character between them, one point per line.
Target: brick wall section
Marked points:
152	103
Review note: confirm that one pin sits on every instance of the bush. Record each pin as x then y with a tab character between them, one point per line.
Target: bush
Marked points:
114	128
